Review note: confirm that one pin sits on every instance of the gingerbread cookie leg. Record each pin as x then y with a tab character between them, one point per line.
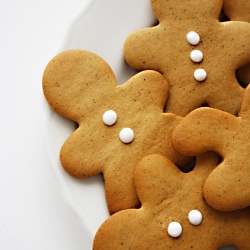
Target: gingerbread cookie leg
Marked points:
238	10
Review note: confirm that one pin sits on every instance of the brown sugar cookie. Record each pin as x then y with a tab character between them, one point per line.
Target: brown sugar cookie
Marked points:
118	124
173	214
207	129
195	52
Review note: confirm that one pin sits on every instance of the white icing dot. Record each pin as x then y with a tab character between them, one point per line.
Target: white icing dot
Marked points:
195	217
174	229
109	117
200	75
126	135
196	55
193	38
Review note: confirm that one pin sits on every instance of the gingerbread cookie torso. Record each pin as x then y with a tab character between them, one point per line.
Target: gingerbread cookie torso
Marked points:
118	124
195	52
173	213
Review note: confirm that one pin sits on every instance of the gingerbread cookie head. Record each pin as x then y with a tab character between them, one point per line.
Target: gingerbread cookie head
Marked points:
118	124
195	52
207	129
173	214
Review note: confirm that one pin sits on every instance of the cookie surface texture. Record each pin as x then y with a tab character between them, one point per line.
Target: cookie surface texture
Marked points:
238	10
118	124
207	129
195	81
172	200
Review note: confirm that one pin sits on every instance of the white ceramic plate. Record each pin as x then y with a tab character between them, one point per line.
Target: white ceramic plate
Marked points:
102	28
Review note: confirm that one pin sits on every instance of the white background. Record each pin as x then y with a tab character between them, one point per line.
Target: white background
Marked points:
33	211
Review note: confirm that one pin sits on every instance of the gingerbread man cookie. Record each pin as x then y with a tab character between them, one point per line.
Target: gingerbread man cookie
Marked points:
195	52
208	129
118	124
173	214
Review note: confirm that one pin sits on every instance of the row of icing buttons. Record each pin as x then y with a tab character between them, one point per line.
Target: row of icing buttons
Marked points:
126	135
175	228
196	56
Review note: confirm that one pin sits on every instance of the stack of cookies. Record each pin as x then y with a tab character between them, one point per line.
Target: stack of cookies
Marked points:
181	124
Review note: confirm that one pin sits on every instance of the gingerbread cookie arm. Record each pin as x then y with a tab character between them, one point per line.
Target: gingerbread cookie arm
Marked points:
202	131
226	188
81	158
73	72
147	83
241	55
237	10
245	107
143	42
124	227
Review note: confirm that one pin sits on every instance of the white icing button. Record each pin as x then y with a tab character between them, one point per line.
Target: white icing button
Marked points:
174	229
126	135
193	38
109	117
200	75
195	217
196	56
